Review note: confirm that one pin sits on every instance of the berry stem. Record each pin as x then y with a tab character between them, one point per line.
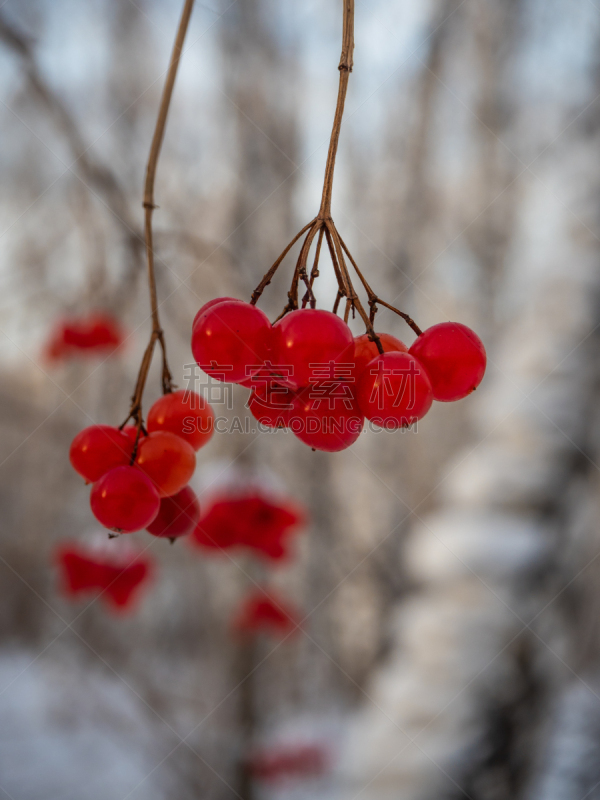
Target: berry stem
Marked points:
157	334
314	273
345	68
268	277
409	321
324	226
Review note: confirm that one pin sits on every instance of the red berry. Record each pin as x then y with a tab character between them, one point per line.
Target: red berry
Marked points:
186	414
215	301
231	338
124	500
99	448
365	350
309	339
177	516
270	403
167	460
131	432
454	357
394	390
327	419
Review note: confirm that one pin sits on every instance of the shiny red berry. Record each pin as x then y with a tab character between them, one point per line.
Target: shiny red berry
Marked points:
97	449
394	390
167	460
365	350
270	403
177	516
308	340
215	301
124	500
454	358
231	340
186	414
326	419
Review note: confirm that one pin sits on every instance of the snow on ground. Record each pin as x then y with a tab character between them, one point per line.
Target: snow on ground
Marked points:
73	733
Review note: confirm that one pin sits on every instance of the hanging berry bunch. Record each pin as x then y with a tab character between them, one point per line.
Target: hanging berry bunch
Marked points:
306	371
140	472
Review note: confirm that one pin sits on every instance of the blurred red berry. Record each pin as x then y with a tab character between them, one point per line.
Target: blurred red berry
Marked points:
186	414
248	520
96	334
454	358
177	516
124	500
289	761
98	449
118	573
266	612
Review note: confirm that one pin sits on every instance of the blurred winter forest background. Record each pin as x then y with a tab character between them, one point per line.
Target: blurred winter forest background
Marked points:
448	578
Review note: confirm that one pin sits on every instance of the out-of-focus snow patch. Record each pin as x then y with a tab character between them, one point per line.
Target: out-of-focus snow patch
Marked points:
296	736
452	544
570	767
73	733
402	741
497	475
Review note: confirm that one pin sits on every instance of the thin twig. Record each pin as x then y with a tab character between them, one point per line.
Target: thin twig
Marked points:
95	174
323	224
404	316
345	68
157	334
343	289
273	269
314	273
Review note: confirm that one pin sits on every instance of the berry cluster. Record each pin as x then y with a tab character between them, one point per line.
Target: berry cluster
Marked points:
118	574
140	475
308	373
97	334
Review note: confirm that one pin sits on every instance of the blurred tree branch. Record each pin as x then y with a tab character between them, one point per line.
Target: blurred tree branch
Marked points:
99	176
